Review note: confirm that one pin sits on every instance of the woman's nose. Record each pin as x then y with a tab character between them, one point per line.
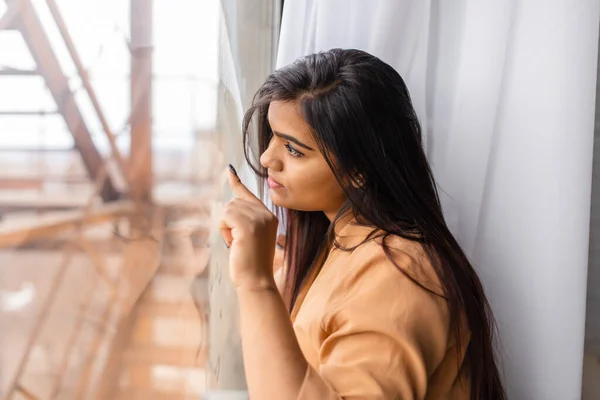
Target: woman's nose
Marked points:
270	160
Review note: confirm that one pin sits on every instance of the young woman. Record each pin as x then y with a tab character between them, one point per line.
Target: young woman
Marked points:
379	300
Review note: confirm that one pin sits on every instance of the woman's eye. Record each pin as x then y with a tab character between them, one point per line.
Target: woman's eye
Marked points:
293	152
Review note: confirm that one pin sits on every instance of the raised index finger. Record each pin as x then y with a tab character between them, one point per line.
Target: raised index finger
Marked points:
239	189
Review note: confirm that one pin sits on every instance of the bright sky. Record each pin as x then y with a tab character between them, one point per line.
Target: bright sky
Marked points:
185	67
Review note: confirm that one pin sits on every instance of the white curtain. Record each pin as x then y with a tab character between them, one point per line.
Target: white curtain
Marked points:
506	92
593	293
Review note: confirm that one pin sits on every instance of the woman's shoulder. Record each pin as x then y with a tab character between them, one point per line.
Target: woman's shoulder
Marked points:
388	260
388	284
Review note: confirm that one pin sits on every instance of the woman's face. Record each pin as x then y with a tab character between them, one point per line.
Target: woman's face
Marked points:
299	176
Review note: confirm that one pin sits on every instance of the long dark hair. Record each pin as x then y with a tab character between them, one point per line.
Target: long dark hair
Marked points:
364	124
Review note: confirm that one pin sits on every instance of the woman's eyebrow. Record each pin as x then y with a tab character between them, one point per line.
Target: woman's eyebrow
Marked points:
292	139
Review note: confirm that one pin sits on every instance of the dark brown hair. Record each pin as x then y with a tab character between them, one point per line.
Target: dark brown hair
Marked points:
362	118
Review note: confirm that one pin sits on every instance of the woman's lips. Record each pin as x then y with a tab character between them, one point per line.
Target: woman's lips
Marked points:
273	184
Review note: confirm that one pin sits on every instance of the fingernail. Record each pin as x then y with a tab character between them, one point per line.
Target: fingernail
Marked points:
226	245
233	171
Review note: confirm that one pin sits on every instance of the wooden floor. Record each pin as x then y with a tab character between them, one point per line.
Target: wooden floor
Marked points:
147	347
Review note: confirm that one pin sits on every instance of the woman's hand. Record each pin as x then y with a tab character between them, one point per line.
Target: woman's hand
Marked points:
250	229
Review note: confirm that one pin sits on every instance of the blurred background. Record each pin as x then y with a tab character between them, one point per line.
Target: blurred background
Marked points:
109	161
118	119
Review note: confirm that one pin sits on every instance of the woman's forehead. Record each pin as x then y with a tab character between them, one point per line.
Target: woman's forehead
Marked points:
285	117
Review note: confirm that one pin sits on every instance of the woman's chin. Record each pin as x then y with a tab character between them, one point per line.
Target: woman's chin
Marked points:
280	200
283	200
277	198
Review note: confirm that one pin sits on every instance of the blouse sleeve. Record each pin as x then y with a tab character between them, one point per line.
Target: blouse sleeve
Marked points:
384	338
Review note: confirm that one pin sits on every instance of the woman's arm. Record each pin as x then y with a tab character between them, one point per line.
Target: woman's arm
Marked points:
274	364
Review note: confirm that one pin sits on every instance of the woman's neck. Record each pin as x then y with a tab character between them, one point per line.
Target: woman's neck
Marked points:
342	221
